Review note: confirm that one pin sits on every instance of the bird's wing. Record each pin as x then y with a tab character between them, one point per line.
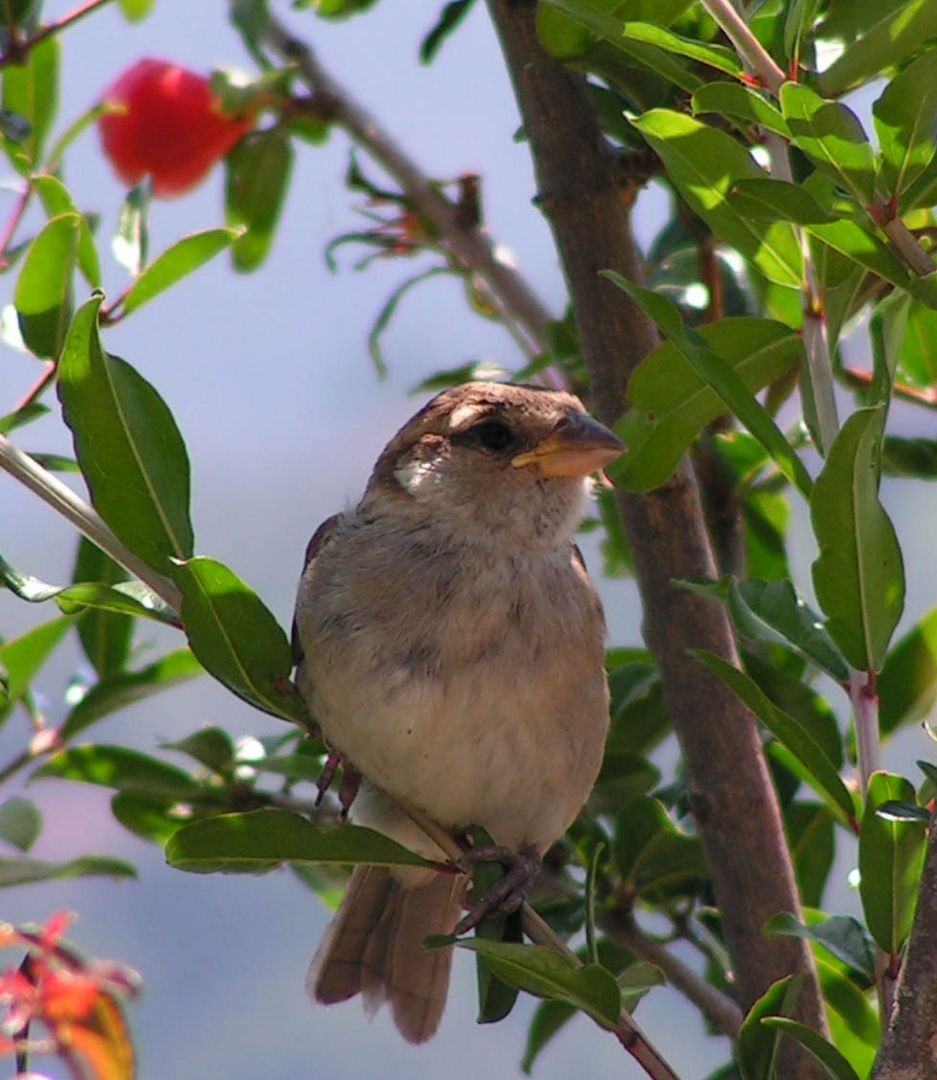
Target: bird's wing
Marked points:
320	540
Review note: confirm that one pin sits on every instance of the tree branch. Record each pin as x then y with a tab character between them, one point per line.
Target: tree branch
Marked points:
466	240
75	510
746	44
732	796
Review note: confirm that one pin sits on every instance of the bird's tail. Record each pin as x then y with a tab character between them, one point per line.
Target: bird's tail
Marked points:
375	946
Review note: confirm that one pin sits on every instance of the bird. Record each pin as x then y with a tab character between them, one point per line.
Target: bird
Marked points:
451	645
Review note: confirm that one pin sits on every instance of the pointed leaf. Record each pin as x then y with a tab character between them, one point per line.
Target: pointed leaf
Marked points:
889	33
715	56
544	973
176	262
549	1018
20	822
57	200
891	858
130	450
31	90
834	1064
741	103
757	1049
778	200
43	297
844	936
789	730
28	871
261	840
810	832
855	1028
865	249
121	769
858	577
771	611
830	134
105	636
705	164
907	685
122	689
905	119
237	639
257	171
720	377
211	747
21	658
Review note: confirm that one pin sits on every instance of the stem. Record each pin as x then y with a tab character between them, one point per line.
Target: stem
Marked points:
746	44
18	50
865	714
75	510
467	241
38	386
721	1010
12	224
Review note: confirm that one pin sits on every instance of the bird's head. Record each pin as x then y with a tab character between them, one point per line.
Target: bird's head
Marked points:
497	463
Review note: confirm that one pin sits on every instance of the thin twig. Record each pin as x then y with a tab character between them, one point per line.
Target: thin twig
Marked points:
468	242
865	711
746	44
38	386
18	50
75	510
721	1010
922	395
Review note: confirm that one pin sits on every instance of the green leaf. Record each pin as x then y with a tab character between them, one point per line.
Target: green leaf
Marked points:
131	243
833	1062
57	200
237	639
20	822
844	936
43	297
810	833
672	403
123	770
211	747
720	377
907	685
130	450
855	1028
136	10
830	134
150	819
124	688
448	22
129	598
905	117
715	56
257	175
705	164
888	34
740	103
544	973
863	248
858	577
31	90
771	611
902	811
917	359
106	636
549	1017
21	658
655	857
891	857
176	262
910	458
778	200
794	735
260	840
28	871
757	1048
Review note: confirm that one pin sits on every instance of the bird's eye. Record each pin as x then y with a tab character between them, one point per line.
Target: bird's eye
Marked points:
494	435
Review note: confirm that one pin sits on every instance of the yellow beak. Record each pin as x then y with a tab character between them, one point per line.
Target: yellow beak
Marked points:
577	446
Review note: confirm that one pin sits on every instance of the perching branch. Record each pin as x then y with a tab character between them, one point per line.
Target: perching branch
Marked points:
17	50
746	44
731	793
85	519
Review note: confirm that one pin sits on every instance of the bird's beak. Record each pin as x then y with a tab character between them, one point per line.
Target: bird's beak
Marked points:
577	446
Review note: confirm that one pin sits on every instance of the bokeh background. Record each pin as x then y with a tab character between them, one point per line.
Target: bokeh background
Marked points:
271	383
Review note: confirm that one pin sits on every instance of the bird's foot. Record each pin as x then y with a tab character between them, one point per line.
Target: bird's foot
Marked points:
521	869
347	789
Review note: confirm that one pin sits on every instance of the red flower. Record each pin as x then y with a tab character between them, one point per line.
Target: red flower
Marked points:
171	127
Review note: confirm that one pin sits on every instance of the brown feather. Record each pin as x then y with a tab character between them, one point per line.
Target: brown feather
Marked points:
375	946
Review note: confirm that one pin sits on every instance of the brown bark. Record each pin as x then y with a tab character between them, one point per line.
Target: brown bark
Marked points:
909	1048
587	201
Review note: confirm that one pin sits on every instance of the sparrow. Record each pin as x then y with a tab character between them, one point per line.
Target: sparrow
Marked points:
451	647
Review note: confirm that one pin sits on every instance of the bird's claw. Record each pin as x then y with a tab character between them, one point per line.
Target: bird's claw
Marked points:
521	869
347	790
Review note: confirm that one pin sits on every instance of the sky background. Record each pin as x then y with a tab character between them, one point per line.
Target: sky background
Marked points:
269	378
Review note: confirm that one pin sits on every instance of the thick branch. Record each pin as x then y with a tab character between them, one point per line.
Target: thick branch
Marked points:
909	1049
732	796
468	242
